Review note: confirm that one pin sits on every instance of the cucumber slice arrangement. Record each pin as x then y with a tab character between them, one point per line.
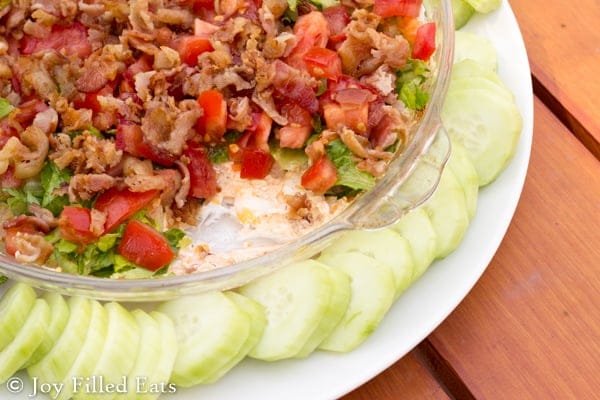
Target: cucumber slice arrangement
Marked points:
331	303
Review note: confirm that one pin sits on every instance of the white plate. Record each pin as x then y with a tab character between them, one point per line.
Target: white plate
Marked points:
429	301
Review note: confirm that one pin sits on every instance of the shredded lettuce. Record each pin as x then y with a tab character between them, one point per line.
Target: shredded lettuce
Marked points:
409	84
52	178
5	106
348	175
3	279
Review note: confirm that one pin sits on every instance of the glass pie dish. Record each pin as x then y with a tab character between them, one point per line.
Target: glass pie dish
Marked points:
411	178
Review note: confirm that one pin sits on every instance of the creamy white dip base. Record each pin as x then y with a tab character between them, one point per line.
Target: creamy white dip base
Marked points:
249	218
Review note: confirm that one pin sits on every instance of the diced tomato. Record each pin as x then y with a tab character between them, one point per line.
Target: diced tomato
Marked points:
256	163
323	63
74	224
320	176
142	64
203	177
311	30
350	108
190	47
199	5
424	45
397	8
72	39
130	138
121	204
10	235
258	133
8	180
143	245
90	100
291	85
213	122
295	134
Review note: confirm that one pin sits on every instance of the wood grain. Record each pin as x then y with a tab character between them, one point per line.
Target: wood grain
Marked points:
407	379
562	40
530	329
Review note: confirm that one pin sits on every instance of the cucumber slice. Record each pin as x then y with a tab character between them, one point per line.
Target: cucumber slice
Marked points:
373	293
464	171
470	46
210	329
462	13
59	315
158	383
486	124
13	356
56	364
340	300
148	356
118	354
384	245
258	322
417	229
296	299
485	6
485	83
14	309
73	383
447	211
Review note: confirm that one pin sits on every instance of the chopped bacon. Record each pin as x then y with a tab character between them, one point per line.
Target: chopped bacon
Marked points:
294	86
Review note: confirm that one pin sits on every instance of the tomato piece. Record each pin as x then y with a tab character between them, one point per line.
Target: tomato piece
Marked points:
203	177
323	63
73	40
397	8
213	122
90	100
311	30
143	245
10	236
121	204
256	163
424	45
74	224
296	133
320	176
130	138
190	47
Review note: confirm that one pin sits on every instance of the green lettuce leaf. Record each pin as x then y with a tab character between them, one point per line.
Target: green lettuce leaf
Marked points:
348	175
409	84
5	106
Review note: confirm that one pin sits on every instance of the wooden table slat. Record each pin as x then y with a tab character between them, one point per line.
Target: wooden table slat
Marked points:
530	329
562	43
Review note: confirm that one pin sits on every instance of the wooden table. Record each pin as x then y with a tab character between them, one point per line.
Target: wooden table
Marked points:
530	328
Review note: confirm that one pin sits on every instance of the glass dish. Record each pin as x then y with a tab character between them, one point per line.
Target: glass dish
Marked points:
411	178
